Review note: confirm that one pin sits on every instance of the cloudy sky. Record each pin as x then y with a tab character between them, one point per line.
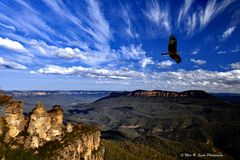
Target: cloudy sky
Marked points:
116	45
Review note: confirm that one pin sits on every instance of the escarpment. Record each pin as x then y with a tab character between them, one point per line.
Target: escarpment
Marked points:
44	135
159	93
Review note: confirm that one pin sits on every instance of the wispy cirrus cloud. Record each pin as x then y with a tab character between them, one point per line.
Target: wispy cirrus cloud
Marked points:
11	65
212	9
8	27
25	19
158	15
127	18
184	10
185	18
198	61
94	29
200	17
228	32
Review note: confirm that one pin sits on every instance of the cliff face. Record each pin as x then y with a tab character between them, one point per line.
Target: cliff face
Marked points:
159	93
44	134
88	147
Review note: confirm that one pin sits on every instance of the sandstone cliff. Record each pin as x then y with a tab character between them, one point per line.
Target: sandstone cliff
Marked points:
44	135
167	94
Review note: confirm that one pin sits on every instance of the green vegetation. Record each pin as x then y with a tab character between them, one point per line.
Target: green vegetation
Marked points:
16	154
123	150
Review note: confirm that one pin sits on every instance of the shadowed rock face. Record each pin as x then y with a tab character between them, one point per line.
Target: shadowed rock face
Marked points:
4	99
14	118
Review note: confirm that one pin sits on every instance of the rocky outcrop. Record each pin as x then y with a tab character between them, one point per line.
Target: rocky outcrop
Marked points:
14	118
167	94
45	132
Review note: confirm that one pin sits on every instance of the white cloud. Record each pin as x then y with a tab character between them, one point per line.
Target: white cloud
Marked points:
213	8
235	50
12	45
228	32
235	65
165	64
146	61
89	72
158	15
211	81
133	52
221	52
12	65
195	52
198	61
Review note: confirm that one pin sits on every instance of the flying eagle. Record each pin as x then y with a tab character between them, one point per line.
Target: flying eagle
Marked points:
172	49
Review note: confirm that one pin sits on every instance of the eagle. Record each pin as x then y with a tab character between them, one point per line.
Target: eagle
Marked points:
172	49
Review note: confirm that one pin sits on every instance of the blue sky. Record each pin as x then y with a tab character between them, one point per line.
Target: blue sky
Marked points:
116	45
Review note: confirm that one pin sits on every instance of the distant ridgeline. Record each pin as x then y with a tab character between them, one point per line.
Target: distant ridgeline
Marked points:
45	93
159	93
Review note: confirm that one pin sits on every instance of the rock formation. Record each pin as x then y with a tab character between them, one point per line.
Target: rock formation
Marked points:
44	132
39	124
14	118
56	115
